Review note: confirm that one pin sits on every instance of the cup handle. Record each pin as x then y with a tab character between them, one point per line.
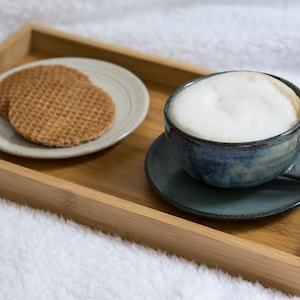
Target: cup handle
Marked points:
292	172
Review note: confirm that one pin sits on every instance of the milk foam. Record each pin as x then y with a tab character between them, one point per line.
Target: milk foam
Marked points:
236	107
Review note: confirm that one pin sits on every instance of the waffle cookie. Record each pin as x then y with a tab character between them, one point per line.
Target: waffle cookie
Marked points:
20	79
58	111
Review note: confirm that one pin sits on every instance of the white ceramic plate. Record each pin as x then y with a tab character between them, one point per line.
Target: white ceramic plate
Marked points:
126	89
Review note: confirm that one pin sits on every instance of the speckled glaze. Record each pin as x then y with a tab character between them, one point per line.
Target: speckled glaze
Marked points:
232	165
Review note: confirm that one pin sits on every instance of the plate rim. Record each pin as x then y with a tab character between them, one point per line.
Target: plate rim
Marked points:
44	152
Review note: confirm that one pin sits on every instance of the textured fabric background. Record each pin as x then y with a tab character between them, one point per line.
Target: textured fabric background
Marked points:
45	257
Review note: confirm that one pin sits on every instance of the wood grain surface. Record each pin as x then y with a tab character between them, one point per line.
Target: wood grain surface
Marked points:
110	187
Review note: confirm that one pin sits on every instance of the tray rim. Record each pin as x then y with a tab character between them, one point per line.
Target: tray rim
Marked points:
28	31
276	260
72	200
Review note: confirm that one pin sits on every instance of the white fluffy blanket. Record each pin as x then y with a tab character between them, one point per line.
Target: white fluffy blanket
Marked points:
45	257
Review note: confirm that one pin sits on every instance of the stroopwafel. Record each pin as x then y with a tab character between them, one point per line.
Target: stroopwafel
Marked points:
60	112
18	80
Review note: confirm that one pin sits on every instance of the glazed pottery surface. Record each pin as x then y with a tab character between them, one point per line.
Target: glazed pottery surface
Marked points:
232	165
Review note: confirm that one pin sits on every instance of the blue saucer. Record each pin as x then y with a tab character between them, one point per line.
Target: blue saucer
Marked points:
174	185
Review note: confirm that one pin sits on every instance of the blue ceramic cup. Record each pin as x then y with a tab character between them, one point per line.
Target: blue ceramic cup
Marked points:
232	165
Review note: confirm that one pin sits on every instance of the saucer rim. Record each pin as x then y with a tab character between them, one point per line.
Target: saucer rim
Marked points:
201	213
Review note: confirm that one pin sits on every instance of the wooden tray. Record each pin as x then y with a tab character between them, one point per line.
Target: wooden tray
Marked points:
108	190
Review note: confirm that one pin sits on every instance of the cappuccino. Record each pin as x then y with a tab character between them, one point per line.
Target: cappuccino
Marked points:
235	107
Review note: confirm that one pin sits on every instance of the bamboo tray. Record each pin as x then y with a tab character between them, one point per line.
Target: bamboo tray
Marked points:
108	190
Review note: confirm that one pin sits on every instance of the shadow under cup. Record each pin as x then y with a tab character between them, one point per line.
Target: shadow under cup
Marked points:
232	165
